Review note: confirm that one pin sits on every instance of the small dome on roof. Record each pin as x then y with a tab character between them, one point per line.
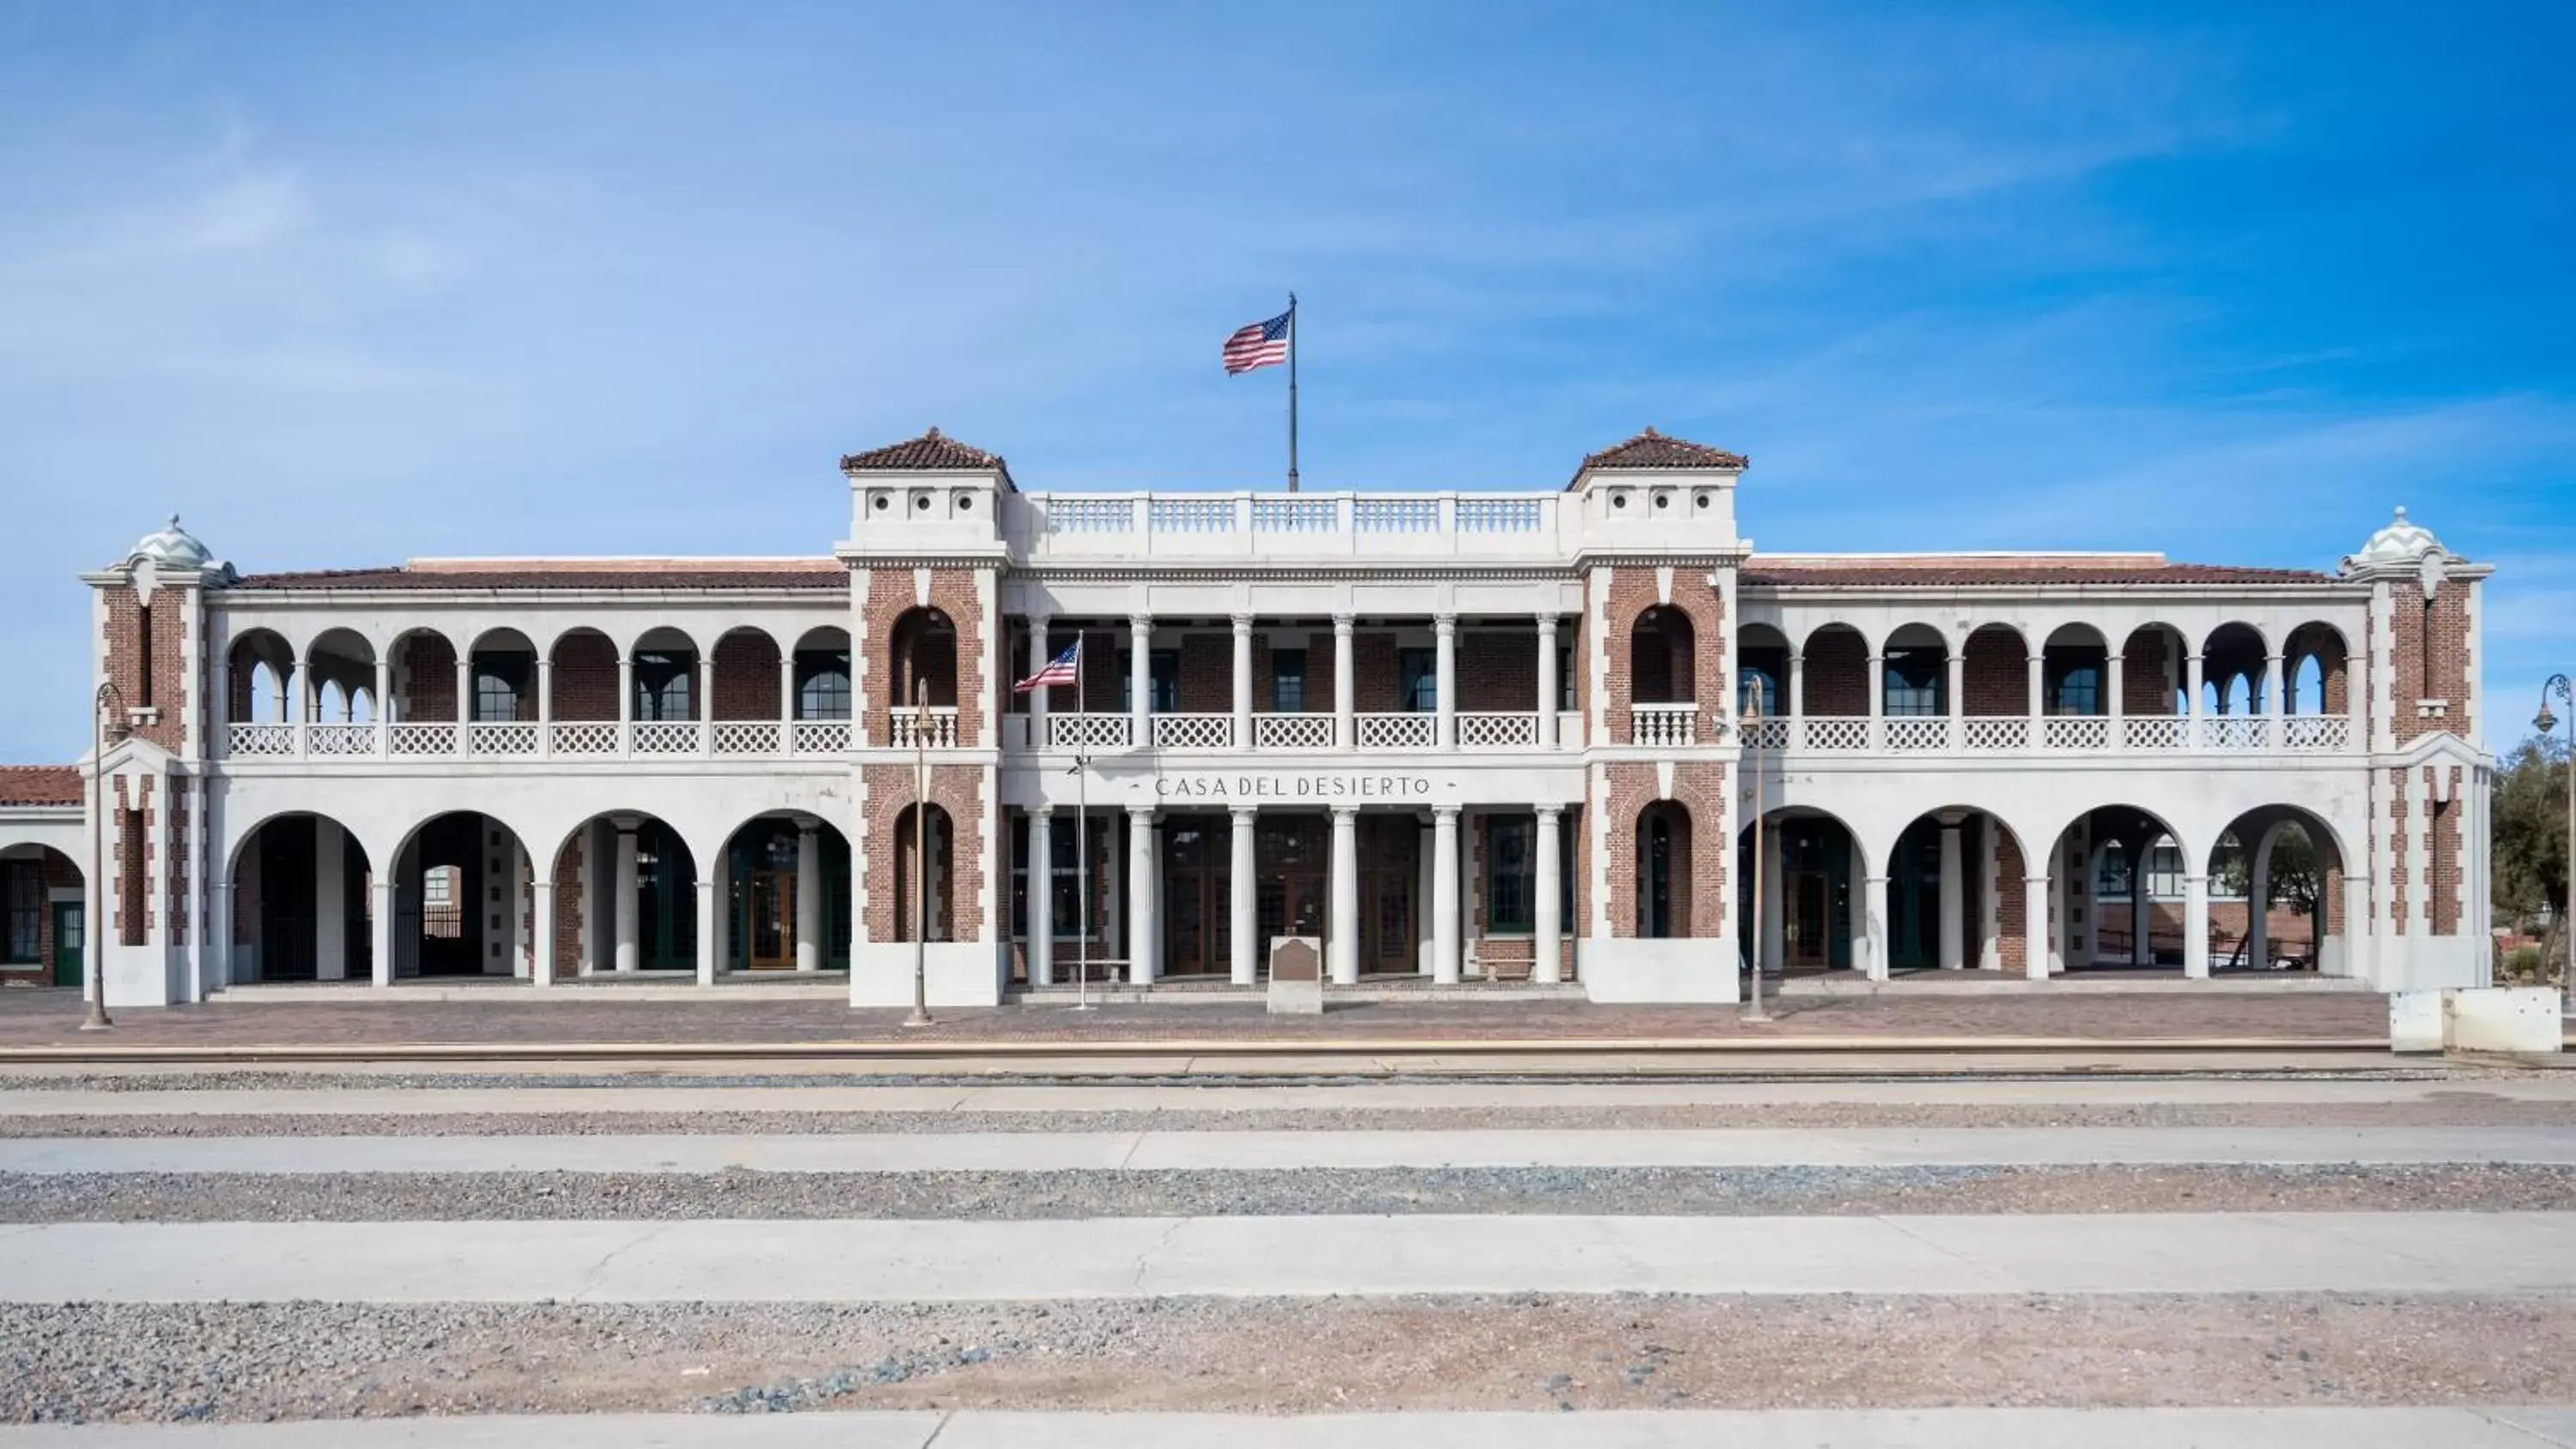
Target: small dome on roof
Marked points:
2401	542
171	548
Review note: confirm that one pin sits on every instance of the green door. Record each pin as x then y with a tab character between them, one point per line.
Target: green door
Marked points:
71	938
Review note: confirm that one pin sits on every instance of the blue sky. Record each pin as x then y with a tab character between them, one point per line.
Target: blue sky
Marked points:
349	283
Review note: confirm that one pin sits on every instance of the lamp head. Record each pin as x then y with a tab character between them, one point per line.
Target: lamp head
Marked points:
2545	721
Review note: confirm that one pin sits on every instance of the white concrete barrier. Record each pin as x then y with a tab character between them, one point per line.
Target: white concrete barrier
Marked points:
2415	1020
2514	1020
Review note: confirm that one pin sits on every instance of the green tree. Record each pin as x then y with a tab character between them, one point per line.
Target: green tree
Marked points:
2528	838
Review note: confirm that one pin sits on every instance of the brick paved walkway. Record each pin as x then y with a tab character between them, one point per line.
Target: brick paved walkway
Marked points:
52	1017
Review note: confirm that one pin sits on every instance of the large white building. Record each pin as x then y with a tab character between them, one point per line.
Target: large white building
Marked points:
1460	737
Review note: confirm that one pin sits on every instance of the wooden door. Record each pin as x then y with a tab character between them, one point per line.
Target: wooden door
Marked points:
773	920
71	941
1810	943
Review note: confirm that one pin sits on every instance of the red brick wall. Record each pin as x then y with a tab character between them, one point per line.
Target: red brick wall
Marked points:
953	592
1996	665
1837	672
2444	675
133	856
746	669
1701	675
585	678
1377	687
160	681
569	905
175	894
1700	789
428	661
1207	673
957	789
2445	823
2401	785
2142	674
1497	672
2012	899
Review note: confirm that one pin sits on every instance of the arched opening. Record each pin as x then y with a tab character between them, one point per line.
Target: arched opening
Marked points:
666	677
257	668
626	897
785	885
1955	894
1915	673
504	678
1762	663
1834	677
1662	658
2124	908
424	679
2233	671
1995	673
1664	871
1805	912
823	675
44	917
2075	672
924	644
747	677
303	905
463	899
2152	677
2276	894
342	666
913	837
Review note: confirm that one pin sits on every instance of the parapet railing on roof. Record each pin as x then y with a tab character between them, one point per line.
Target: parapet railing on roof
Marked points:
1248	525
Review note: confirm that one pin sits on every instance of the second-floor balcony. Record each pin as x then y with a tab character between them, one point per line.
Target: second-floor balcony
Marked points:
1943	735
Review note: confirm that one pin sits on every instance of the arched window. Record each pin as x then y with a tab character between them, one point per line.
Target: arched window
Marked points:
938	841
823	693
1662	660
925	660
1663	871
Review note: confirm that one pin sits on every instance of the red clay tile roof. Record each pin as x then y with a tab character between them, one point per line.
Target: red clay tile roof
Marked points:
583	574
930	452
39	785
1938	572
1651	449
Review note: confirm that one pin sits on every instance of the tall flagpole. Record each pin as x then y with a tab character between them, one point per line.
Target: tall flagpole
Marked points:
1292	392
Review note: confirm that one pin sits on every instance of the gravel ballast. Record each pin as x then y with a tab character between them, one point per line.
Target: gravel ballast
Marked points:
246	1362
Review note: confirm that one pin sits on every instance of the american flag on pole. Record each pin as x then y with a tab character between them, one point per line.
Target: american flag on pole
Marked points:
1062	669
1259	344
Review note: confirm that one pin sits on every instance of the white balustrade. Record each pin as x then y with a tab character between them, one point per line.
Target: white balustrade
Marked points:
260	741
930	727
1402	731
1088	732
2155	732
1482	731
1666	726
2078	732
1089	515
339	741
501	737
1292	731
1296	515
822	736
1396	515
1991	733
1770	732
2316	733
1918	732
1499	515
1191	515
1837	731
420	739
746	737
666	737
585	737
1193	731
2234	732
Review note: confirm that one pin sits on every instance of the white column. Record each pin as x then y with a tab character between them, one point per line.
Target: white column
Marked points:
2034	927
2195	923
2191	691
787	700
1041	889
1958	701
1775	904
1797	693
809	896
1954	901
626	705
2276	689
2258	924
1140	680
1877	701
1444	633
704	712
330	902
1874	942
1990	946
708	922
1549	687
1342	934
1547	953
2038	690
1243	963
1243	681
380	930
297	707
541	910
1345	728
624	942
464	703
1444	893
545	708
384	701
1039	658
2117	706
1141	881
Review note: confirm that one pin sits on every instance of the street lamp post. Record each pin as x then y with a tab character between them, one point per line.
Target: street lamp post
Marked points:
920	855
109	705
2546	722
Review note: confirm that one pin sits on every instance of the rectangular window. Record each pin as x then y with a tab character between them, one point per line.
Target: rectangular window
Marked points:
1164	665
501	685
22	904
2164	874
1914	681
1288	681
662	686
1417	673
823	685
1511	887
1066	901
2073	689
1564	680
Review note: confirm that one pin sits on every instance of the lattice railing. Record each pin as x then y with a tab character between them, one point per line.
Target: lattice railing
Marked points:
666	736
502	738
1193	731
822	736
1292	731
2155	732
1396	515
1401	731
2077	732
1665	725
420	739
1498	515
1088	731
1484	731
1837	731
1191	515
930	727
1918	732
1296	515
260	741
2234	732
339	741
585	737
1991	733
1090	515
1770	732
747	737
2316	733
